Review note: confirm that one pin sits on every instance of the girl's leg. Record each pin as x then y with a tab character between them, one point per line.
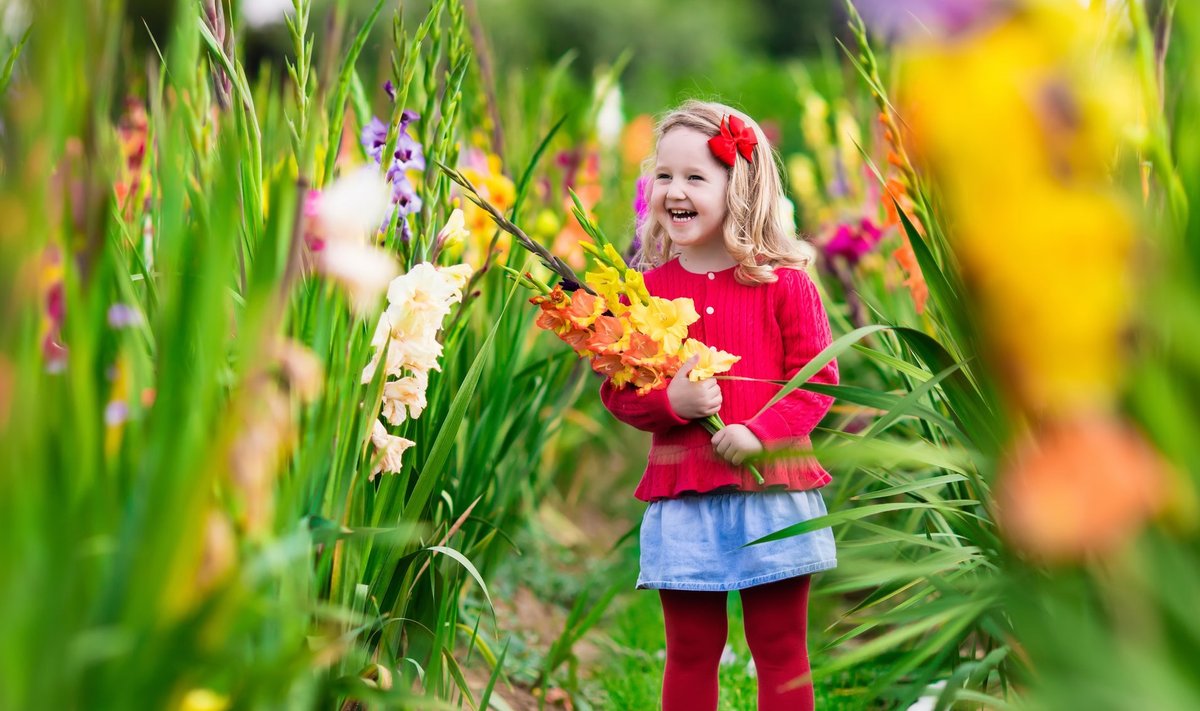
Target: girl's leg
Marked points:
697	628
777	633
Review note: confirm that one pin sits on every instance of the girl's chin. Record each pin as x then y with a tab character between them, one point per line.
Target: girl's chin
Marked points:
687	239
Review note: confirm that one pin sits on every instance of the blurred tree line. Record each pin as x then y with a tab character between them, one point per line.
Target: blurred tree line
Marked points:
712	47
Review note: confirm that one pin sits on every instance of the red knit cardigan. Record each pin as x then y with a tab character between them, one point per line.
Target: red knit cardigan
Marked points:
777	329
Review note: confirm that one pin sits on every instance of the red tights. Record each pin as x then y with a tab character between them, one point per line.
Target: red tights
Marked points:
776	630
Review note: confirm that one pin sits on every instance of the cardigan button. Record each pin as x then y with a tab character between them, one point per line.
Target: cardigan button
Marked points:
709	311
712	276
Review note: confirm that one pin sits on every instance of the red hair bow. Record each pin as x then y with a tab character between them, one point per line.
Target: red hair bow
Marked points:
735	137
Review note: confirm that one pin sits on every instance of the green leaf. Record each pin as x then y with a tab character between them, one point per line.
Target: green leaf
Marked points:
931	482
833	350
341	92
527	176
462	559
839	517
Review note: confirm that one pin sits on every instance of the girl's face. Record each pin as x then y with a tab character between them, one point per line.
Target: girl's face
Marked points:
688	194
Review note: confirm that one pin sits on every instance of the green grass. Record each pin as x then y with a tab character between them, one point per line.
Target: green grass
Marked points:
632	676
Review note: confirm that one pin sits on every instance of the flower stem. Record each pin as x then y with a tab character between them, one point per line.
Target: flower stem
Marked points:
713	423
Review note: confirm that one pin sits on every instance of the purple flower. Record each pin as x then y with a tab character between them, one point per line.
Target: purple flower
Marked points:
374	135
116	412
405	196
852	242
927	18
408	155
124	316
374	138
839	186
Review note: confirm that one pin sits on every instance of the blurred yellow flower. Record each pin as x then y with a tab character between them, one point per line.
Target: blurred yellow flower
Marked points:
484	172
546	225
1019	124
203	700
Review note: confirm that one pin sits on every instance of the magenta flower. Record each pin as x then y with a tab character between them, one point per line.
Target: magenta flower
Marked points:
851	242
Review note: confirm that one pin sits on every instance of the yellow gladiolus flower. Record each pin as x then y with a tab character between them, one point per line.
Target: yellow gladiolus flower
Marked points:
606	281
666	321
635	288
614	257
712	361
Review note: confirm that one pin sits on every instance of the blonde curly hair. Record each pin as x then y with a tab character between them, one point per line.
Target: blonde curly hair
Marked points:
756	231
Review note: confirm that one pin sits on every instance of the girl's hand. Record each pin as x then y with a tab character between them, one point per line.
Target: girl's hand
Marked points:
735	443
693	400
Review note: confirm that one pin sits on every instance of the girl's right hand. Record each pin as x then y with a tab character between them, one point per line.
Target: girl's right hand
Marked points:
693	400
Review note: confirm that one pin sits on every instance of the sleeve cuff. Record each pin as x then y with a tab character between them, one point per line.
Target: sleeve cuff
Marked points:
769	426
664	405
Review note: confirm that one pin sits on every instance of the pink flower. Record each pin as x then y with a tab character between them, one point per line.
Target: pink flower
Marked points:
852	242
641	202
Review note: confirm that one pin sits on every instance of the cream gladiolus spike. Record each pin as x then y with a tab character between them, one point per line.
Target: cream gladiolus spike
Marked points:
418	303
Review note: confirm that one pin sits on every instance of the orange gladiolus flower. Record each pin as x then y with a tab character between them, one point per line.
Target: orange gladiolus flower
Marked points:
914	279
554	306
1081	487
577	338
646	379
609	335
608	364
584	309
643	350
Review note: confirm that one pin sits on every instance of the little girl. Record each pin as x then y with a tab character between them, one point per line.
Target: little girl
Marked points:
716	234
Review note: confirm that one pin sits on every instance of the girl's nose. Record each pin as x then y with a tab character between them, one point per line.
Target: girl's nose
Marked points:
675	191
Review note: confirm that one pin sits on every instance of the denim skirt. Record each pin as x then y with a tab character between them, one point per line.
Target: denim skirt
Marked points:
694	542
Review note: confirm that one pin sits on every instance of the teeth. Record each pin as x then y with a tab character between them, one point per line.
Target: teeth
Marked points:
682	215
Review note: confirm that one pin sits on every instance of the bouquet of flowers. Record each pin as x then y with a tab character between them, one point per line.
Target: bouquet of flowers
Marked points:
629	336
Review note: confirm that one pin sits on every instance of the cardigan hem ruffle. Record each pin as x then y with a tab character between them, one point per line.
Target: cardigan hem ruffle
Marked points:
654	484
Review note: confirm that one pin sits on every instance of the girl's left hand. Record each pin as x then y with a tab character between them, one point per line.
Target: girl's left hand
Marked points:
736	442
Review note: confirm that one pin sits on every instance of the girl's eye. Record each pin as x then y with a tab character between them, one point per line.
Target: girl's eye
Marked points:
695	177
662	176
